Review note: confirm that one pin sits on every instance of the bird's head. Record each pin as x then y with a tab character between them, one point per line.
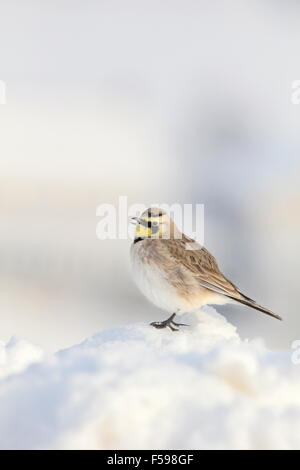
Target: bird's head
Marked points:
154	223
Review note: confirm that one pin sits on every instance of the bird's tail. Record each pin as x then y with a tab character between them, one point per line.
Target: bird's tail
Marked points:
250	303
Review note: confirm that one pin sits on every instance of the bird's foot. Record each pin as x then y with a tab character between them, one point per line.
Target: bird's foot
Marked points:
174	326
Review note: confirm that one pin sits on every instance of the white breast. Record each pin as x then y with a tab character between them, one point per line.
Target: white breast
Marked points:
153	283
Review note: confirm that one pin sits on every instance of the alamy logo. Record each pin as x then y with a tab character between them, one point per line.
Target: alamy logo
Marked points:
114	219
295	96
296	353
2	92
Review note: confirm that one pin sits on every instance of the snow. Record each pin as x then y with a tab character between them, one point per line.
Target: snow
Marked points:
137	387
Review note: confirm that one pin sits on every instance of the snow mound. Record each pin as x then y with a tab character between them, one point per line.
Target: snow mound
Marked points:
138	387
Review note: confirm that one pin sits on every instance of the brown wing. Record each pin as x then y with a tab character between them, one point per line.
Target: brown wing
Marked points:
203	265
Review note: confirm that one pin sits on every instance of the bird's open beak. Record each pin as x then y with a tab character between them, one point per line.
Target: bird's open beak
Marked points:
134	220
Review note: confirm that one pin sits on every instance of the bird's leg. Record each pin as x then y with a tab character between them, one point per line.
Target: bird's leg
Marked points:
168	322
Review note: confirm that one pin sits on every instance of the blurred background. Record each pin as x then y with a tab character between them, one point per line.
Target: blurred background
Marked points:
171	102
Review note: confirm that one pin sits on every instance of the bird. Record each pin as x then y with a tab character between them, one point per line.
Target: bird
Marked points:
176	273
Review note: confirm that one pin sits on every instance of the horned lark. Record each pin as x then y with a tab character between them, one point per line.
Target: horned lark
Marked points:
174	278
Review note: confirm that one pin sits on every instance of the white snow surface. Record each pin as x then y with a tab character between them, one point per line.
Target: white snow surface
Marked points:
137	387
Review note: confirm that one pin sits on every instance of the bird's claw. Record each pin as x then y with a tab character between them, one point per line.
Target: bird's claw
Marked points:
174	326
